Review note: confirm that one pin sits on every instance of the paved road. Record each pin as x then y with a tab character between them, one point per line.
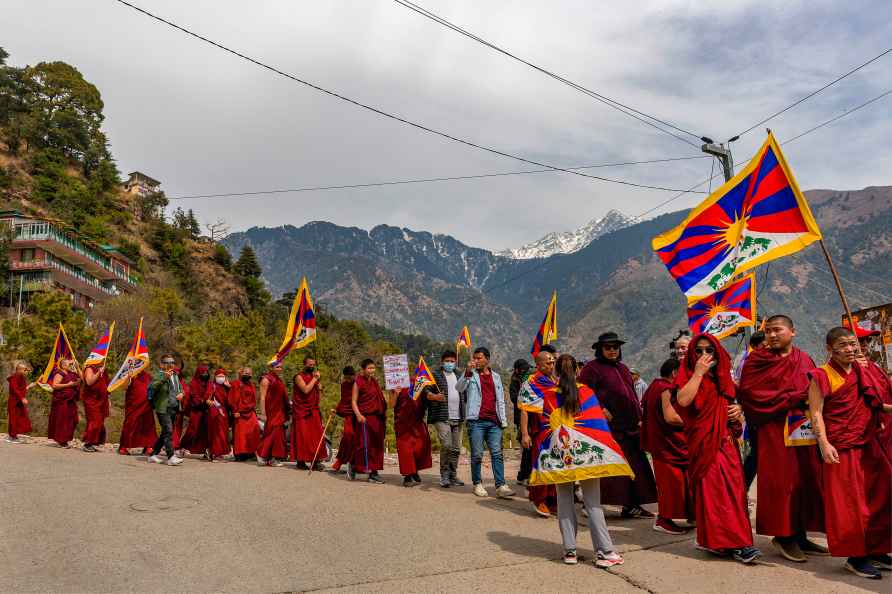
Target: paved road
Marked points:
76	522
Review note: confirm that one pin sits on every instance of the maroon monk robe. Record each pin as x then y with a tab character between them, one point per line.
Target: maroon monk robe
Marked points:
882	384
369	453
714	468
245	428
856	491
63	410
345	411
195	439
306	423
413	442
276	409
613	385
669	449
789	500
138	430
539	494
218	418
95	400
17	410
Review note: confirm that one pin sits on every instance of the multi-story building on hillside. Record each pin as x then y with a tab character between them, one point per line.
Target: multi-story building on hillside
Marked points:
46	254
140	184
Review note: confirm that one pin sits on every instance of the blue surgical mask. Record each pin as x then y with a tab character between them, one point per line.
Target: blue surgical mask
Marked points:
448	367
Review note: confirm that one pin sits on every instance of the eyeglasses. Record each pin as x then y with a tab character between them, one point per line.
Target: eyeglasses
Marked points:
611	347
702	351
167	362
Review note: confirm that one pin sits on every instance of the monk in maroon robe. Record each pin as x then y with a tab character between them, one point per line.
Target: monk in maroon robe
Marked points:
217	399
612	382
344	410
274	402
195	438
245	427
845	409
774	385
307	444
94	394
705	391
138	430
413	442
66	383
662	434
17	405
370	410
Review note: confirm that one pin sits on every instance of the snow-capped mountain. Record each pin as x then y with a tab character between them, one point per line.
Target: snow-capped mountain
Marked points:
569	241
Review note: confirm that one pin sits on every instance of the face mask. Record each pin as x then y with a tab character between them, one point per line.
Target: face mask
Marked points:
205	376
246	378
309	369
220	379
448	367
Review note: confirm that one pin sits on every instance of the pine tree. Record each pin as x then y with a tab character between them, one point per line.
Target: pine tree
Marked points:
193	227
247	265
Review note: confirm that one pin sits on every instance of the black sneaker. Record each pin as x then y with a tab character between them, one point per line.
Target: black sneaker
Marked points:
374	478
456	483
746	555
883	562
445	483
862	567
301	466
408	481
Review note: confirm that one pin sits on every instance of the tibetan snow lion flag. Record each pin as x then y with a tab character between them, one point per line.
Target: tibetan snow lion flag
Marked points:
723	312
548	329
61	350
463	340
301	329
423	378
100	351
136	362
757	216
798	429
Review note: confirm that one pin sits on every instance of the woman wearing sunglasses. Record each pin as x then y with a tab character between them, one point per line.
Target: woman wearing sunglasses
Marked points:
705	393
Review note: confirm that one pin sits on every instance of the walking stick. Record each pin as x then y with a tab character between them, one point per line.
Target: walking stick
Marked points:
365	439
321	439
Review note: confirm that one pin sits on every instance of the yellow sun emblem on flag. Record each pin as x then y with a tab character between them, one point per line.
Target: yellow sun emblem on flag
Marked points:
733	230
558	417
716	310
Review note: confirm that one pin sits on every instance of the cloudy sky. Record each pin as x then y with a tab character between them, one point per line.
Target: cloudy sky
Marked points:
204	121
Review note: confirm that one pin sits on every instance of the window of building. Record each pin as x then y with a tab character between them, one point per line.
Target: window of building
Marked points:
27	254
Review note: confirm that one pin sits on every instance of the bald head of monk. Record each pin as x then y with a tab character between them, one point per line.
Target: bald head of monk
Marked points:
779	334
545	363
843	346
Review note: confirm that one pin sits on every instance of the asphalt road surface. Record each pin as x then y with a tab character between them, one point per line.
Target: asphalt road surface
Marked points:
77	522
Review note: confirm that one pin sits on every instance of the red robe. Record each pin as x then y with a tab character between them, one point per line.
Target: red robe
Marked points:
413	442
789	500
345	411
276	410
63	410
612	382
369	453
858	510
669	450
95	400
245	428
17	410
306	423
539	494
138	430
883	385
218	420
195	438
714	468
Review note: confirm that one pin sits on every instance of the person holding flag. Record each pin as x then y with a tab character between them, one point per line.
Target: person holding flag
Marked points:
447	417
413	442
94	393
18	421
307	444
167	393
63	420
138	430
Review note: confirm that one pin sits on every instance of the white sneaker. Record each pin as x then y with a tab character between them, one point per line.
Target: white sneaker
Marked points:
261	461
276	463
181	453
174	460
156	459
479	491
610	559
11	440
504	492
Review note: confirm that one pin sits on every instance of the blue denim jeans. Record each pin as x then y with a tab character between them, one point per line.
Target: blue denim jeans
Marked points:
491	433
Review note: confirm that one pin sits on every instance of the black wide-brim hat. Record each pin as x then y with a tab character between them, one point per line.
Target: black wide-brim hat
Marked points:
608	337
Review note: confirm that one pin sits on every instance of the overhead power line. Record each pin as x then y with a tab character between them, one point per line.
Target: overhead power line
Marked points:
840	116
381	112
423	180
815	92
613	103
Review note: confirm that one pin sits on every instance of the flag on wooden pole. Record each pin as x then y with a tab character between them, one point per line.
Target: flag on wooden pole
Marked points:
136	361
61	350
301	329
100	351
548	329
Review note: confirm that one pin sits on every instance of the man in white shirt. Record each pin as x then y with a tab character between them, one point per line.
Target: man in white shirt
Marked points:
447	418
640	384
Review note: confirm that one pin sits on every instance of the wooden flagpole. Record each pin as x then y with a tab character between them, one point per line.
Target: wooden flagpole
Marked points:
321	439
842	295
